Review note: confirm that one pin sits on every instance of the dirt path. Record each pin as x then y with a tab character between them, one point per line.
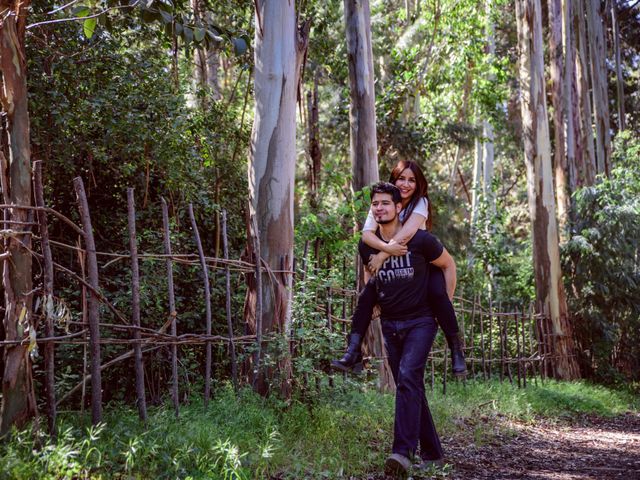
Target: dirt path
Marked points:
588	448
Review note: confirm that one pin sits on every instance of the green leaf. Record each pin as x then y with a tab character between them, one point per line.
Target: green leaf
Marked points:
198	34
188	34
80	11
239	46
150	16
166	16
89	26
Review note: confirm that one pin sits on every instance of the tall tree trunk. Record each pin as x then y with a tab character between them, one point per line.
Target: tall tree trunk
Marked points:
586	169
315	154
546	252
362	112
599	90
574	151
476	188
362	119
279	49
18	398
557	100
619	79
206	62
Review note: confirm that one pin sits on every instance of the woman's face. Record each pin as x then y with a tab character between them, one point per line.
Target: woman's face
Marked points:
406	182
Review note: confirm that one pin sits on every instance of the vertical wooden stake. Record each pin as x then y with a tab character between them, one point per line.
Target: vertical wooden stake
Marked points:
255	237
472	349
500	333
524	350
82	255
433	372
135	307
172	308
533	335
491	336
94	315
444	370
484	363
227	274
207	306
518	351
49	352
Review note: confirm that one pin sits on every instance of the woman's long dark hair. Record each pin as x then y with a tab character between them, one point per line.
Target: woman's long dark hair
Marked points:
422	187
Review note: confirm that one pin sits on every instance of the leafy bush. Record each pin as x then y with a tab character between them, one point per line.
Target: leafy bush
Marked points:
602	268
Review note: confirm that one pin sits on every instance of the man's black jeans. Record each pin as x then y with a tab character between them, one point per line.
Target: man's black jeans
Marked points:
408	345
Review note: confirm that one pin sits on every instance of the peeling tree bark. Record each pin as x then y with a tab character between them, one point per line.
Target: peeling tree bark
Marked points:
598	55
279	50
315	153
546	253
18	398
574	151
362	111
619	78
587	167
560	166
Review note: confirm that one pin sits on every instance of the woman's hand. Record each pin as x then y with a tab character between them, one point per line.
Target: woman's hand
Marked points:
395	249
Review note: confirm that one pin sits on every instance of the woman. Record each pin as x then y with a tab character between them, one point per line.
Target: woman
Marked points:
415	214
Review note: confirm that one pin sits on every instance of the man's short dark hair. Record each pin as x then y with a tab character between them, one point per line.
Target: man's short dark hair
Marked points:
386	187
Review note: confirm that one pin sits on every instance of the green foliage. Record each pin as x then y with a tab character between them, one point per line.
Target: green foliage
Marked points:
346	433
107	109
603	270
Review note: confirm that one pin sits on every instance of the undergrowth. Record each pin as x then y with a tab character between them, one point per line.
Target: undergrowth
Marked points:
340	432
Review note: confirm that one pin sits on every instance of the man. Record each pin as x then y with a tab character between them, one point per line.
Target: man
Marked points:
408	325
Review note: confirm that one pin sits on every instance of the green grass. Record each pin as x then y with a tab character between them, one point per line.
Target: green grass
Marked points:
342	432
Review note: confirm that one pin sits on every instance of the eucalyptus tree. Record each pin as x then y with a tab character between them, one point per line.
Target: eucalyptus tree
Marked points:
362	110
537	152
279	50
18	396
599	83
560	163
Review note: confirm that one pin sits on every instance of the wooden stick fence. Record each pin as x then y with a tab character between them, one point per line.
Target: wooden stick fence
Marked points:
523	338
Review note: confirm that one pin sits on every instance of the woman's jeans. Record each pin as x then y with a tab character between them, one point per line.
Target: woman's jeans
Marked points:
408	344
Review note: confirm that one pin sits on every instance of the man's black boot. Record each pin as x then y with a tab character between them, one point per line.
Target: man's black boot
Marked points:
458	363
351	361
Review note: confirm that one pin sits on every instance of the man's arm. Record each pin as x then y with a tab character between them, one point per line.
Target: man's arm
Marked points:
448	265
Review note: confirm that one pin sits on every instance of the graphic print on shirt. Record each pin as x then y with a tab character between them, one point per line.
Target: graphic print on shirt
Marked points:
396	270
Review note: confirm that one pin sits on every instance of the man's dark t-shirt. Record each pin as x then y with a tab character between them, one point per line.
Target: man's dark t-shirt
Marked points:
401	283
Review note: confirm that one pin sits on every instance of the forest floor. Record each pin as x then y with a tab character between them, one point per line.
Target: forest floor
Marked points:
587	447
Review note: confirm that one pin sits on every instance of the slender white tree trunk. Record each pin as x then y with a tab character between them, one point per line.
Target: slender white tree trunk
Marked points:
546	252
476	187
586	169
557	98
570	93
362	111
598	55
619	79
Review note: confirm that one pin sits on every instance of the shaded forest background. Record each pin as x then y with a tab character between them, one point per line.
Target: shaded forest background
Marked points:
120	99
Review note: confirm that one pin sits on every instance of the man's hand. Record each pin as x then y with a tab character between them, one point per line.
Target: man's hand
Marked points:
376	261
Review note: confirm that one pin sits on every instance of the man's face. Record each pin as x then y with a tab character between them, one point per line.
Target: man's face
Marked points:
383	208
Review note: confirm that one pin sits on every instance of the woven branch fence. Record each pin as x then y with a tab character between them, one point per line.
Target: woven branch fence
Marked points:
501	341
